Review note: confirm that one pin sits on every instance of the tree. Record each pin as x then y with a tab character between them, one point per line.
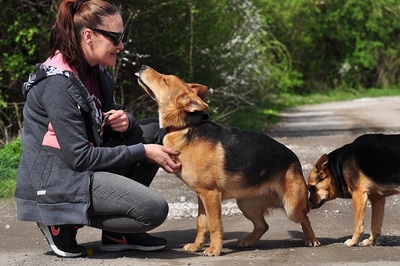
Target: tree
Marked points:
230	53
22	36
341	43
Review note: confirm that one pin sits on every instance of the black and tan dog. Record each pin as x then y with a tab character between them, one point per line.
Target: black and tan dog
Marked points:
220	162
368	168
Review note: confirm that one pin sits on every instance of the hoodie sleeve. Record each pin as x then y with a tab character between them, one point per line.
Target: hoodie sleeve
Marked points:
68	124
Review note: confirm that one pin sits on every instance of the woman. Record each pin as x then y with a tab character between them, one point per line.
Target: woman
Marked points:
73	171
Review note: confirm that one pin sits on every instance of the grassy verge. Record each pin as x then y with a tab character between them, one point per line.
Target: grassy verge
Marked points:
9	159
268	112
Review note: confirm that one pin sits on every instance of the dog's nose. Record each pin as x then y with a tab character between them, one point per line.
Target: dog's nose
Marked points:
144	67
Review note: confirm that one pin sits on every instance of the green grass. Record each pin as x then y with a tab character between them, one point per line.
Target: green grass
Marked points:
268	112
9	159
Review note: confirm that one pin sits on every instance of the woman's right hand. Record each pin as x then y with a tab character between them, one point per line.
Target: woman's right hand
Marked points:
161	156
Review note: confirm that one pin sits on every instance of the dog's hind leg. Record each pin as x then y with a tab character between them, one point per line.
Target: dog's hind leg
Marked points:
378	207
253	209
309	236
296	207
299	215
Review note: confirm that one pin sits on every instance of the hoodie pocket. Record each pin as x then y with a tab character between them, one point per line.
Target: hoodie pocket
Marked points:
46	172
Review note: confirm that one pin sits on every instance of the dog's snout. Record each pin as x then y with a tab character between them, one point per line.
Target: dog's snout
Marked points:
143	67
316	205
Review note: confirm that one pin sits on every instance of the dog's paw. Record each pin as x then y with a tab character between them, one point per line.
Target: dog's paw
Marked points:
192	247
212	252
244	243
312	243
367	242
350	243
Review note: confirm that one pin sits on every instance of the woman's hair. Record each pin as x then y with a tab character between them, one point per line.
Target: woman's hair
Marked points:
73	17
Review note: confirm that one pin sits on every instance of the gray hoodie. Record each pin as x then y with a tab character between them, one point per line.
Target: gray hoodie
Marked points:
60	146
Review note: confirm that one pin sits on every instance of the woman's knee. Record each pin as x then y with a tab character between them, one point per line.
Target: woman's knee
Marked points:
159	213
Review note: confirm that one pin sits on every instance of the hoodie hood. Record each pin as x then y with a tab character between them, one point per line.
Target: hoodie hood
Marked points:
42	72
52	66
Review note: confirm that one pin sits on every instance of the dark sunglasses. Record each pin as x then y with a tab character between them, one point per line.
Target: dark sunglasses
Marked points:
114	36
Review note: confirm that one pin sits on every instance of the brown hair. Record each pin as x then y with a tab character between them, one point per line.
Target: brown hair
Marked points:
73	16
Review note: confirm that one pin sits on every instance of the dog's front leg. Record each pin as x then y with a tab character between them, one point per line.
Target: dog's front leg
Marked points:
378	207
201	229
212	204
359	202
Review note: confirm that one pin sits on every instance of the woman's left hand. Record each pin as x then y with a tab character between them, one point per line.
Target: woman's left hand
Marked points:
117	120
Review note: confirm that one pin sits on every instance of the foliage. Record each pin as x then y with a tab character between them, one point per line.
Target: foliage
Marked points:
231	54
23	42
341	43
9	159
245	51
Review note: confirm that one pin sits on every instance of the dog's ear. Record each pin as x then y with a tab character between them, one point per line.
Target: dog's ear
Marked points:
199	89
190	102
321	166
322	162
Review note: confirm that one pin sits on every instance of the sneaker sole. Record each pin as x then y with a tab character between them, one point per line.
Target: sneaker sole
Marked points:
47	234
121	247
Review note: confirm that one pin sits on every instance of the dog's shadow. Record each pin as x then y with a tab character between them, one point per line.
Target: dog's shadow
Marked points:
383	240
296	240
177	239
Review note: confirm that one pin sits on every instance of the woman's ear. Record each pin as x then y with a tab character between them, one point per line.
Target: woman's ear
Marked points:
87	36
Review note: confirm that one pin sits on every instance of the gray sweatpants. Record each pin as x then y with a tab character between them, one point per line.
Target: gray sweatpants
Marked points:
121	200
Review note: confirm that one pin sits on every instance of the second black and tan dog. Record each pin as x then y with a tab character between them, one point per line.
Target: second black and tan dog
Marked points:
220	162
368	168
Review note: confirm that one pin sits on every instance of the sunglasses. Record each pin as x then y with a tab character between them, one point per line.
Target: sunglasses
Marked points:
114	36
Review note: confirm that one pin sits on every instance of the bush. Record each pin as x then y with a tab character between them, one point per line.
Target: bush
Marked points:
346	44
9	159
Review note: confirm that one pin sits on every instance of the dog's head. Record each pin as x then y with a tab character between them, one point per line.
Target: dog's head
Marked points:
321	184
177	100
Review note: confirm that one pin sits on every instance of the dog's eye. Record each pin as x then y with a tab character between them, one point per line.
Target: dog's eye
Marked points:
312	188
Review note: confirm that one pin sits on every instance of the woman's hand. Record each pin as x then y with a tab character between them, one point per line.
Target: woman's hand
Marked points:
117	120
161	156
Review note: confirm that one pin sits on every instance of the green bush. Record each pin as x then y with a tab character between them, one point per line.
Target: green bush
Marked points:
9	159
337	44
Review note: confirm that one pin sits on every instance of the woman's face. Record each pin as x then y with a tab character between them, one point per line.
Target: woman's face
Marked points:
101	45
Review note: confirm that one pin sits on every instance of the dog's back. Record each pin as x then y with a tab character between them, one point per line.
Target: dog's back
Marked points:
378	157
255	155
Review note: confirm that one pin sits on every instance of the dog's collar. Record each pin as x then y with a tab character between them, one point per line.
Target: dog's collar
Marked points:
204	117
172	129
335	166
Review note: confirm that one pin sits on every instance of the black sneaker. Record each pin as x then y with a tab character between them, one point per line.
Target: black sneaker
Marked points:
62	240
141	241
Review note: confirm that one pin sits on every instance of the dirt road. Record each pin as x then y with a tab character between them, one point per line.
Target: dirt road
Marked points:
309	131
